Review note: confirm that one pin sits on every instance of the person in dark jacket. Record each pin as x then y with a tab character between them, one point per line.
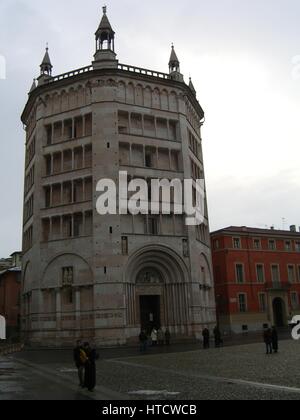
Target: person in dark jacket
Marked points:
268	340
218	337
78	354
90	367
168	337
206	338
143	341
275	339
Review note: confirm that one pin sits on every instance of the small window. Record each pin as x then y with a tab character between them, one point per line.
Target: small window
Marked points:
275	274
257	244
236	243
291	274
297	246
245	328
148	160
260	273
262	302
294	300
124	245
153	226
272	245
216	244
288	246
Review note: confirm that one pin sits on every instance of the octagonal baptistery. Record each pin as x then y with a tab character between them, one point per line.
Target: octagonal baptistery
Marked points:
104	278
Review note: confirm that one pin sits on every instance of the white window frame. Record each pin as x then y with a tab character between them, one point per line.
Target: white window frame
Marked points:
237	239
264	273
279	277
236	273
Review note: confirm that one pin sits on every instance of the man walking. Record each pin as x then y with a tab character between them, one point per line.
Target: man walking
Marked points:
218	337
143	341
79	356
168	337
268	340
206	338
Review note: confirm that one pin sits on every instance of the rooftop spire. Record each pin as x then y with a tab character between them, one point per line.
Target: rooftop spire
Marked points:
174	66
105	44
104	24
174	63
46	66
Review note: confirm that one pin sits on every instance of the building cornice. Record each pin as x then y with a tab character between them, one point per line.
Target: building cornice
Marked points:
86	73
256	233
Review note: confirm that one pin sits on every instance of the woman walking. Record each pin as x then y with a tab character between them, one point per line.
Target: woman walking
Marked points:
90	367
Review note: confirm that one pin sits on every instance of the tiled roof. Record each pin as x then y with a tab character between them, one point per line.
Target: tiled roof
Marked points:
256	231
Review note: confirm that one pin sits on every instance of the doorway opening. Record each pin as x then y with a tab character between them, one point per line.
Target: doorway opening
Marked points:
150	312
279	312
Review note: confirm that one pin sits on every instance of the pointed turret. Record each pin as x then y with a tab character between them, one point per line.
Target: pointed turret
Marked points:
191	86
104	24
33	87
46	66
105	56
174	66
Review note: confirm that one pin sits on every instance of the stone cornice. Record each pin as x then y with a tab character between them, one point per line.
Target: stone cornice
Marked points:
86	73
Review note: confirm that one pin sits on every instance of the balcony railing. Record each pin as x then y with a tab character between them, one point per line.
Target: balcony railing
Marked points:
123	67
278	285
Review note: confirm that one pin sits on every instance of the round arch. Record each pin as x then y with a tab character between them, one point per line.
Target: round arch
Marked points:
52	275
157	289
160	257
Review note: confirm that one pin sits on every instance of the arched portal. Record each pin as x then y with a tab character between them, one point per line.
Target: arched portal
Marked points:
157	290
279	312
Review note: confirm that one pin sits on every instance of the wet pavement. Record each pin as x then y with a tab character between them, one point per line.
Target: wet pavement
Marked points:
178	373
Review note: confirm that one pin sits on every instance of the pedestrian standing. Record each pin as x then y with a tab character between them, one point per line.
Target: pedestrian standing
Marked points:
80	358
275	340
217	335
90	367
268	341
161	337
154	337
143	341
206	338
168	337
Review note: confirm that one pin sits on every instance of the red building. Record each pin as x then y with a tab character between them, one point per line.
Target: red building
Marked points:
10	289
257	277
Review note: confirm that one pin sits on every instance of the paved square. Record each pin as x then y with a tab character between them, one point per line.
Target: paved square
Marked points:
238	372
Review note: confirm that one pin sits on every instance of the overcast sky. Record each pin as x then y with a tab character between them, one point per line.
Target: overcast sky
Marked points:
244	58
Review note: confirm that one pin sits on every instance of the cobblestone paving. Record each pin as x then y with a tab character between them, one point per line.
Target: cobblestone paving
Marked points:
231	373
